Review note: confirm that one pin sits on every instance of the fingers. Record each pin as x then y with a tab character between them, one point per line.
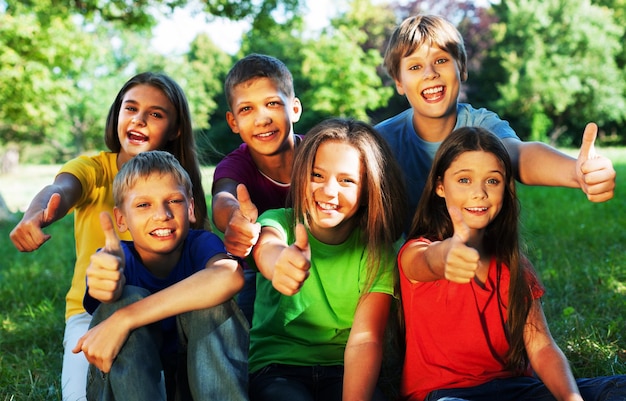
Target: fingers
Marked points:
462	261
28	235
461	230
294	262
112	241
51	209
587	148
595	173
302	240
247	208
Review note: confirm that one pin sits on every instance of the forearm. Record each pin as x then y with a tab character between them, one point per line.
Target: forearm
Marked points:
224	204
362	367
205	289
551	365
539	164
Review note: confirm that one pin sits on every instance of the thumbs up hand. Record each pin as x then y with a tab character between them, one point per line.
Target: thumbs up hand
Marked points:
105	273
242	232
595	173
461	261
293	264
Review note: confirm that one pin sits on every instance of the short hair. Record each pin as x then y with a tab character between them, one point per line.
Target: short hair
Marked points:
421	29
255	66
145	164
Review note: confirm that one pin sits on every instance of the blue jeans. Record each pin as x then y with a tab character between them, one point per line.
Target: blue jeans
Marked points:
215	339
605	388
245	297
299	383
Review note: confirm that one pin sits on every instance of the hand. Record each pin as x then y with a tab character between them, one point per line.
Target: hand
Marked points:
242	232
105	273
293	264
28	236
595	173
461	260
102	343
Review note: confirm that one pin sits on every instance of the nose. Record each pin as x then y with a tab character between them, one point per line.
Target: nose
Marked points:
139	119
162	213
430	71
262	119
330	187
479	191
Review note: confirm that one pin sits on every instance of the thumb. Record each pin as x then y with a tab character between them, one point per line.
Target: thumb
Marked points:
302	240
51	208
461	230
247	208
112	241
587	148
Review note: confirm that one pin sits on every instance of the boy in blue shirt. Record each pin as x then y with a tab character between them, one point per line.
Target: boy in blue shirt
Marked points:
167	293
427	60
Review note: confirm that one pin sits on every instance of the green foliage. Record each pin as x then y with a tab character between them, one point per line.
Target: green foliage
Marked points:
558	59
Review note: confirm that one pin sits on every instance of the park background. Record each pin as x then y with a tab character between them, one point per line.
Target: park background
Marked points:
547	66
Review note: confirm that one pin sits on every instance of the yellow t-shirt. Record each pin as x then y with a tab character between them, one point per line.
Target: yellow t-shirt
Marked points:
96	175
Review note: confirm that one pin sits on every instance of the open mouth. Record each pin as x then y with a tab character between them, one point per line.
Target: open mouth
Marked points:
433	93
162	232
136	137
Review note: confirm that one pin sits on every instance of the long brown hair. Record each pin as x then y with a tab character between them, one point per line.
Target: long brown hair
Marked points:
381	216
183	147
501	238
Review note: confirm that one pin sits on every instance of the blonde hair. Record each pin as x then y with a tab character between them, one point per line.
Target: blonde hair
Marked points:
145	164
420	30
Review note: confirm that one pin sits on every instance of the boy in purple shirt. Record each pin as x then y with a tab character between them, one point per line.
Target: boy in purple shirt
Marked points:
256	176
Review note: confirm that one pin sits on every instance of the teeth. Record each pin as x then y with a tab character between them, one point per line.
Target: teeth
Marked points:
432	91
476	209
266	134
327	206
162	232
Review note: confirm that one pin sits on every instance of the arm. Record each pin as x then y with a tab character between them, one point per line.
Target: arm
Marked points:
451	258
235	215
49	205
285	266
364	350
546	358
217	283
539	164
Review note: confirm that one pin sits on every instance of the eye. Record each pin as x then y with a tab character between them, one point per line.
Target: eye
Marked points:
274	103
493	181
142	205
415	67
441	61
177	201
156	115
130	108
464	180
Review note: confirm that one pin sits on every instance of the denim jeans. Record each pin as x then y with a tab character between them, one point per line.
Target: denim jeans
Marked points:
245	297
215	341
604	388
299	383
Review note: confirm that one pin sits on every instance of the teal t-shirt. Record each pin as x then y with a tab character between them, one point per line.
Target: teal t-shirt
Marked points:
312	326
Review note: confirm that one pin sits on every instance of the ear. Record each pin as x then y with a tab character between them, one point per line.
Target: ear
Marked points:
439	189
190	211
296	110
120	220
399	88
232	122
175	135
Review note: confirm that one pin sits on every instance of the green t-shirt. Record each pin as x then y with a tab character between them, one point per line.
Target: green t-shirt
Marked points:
312	326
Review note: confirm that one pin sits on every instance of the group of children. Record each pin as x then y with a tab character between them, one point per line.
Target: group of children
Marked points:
312	227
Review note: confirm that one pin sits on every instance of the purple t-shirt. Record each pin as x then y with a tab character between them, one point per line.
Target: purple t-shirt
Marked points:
238	166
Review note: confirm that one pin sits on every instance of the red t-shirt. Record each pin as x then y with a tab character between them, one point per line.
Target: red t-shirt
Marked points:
455	333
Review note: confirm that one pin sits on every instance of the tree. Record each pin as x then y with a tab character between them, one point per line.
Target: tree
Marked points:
559	60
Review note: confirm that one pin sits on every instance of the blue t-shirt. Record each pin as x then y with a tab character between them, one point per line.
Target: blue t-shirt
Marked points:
416	155
198	248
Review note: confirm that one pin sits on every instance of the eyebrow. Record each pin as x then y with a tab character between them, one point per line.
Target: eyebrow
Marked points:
155	106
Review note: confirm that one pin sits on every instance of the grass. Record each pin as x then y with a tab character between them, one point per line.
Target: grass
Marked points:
579	249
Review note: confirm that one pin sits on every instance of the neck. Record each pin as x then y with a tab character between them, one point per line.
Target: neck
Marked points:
434	129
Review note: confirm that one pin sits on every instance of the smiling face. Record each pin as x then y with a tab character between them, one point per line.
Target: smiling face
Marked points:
146	121
334	192
474	183
263	116
430	78
157	211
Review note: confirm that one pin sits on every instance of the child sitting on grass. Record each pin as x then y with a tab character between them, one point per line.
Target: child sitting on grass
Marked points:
178	278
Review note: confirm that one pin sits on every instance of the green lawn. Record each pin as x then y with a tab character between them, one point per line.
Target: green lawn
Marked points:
579	249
